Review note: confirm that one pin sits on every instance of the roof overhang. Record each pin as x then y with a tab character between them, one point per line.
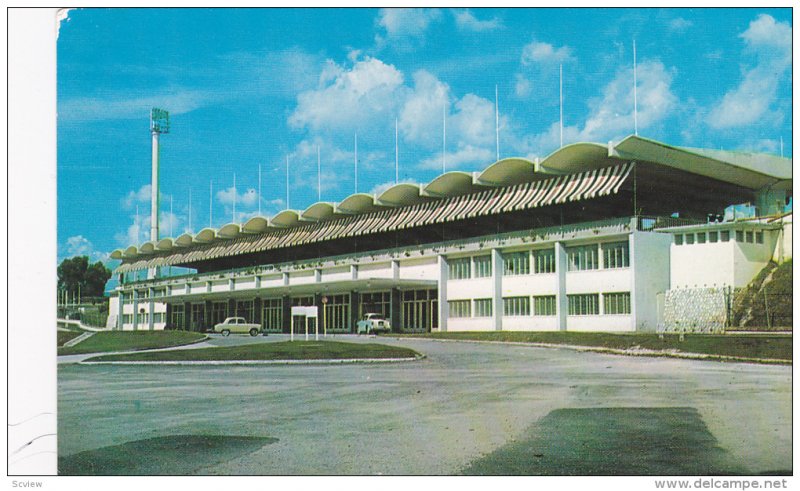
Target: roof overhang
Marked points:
454	183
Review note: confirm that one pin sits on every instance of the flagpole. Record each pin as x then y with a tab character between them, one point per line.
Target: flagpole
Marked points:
635	100
287	182
396	155
444	136
259	189
561	104
355	160
234	198
210	203
497	121
319	177
190	209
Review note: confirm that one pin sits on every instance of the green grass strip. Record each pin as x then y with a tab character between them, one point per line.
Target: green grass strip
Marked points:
287	350
774	347
103	342
64	336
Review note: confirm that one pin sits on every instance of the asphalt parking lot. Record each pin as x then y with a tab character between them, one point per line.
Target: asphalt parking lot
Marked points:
466	408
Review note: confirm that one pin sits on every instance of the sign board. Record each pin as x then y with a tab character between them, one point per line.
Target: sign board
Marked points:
305	311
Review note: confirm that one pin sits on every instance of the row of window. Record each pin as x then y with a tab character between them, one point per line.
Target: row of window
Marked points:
614	303
540	261
143	319
749	237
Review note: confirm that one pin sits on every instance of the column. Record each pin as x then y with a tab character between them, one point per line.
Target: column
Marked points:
168	316
121	309
135	309
394	309
151	308
187	316
561	285
497	290
286	304
257	311
208	320
231	308
444	311
354	297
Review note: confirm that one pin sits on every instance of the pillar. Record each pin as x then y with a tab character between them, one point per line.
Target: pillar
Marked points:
121	309
286	304
257	311
497	290
394	309
135	309
444	311
151	308
187	316
561	285
354	297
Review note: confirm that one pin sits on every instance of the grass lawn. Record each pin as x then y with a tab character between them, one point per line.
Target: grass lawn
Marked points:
743	345
131	340
287	350
64	336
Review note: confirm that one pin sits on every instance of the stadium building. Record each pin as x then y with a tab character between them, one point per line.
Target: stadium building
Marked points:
594	237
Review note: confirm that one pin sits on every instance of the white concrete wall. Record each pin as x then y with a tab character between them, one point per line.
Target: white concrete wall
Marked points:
469	324
245	283
701	265
783	244
750	259
599	281
301	277
218	286
271	280
529	284
199	287
375	270
469	288
419	269
609	323
340	273
650	259
530	323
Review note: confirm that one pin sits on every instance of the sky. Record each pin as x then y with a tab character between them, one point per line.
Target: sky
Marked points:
250	88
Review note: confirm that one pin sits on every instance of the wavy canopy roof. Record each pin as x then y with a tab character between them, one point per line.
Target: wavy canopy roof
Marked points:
748	170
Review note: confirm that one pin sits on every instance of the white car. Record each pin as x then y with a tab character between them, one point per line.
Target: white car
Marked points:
237	325
371	323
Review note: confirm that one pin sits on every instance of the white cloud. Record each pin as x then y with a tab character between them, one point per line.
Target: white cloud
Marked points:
79	245
539	52
248	198
753	98
405	27
134	198
348	98
421	114
465	20
137	232
462	157
679	25
124	106
611	113
522	86
473	122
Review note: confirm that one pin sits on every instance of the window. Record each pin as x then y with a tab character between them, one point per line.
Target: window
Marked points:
544	305
713	236
244	308
516	263
544	261
483	266
159	292
176	315
701	238
158	317
678	239
459	268
483	307
689	239
748	237
739	236
582	258
616	255
337	312
725	235
759	237
272	314
585	304
516	306
617	303
459	308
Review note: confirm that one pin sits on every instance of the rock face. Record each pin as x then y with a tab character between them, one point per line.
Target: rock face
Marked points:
699	310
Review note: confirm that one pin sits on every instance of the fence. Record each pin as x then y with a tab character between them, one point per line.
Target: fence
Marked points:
760	311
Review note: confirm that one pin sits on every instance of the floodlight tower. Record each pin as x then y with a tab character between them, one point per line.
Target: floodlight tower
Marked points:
159	124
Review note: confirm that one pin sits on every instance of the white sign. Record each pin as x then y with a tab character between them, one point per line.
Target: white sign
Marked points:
305	311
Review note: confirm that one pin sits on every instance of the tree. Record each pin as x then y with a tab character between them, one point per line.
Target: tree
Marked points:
77	271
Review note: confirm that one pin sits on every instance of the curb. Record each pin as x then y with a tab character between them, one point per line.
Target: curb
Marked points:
343	361
625	352
101	353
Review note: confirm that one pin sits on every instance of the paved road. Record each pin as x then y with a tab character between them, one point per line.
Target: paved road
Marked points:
467	407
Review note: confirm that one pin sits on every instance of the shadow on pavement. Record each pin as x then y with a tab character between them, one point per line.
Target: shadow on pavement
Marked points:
166	455
611	441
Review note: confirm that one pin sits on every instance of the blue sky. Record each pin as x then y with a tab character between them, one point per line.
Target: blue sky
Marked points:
249	87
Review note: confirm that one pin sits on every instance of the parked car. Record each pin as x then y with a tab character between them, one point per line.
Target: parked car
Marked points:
237	325
372	323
